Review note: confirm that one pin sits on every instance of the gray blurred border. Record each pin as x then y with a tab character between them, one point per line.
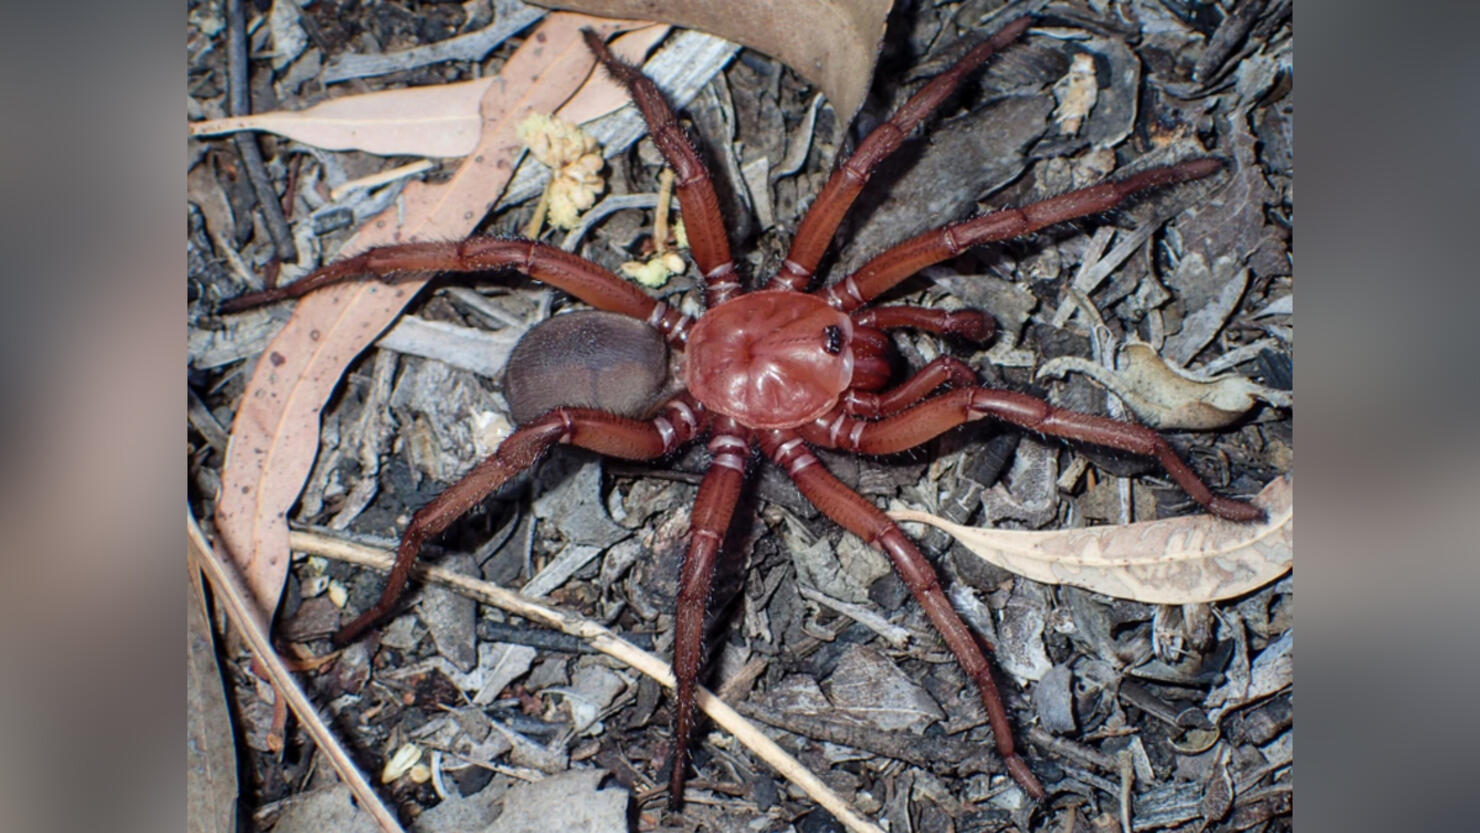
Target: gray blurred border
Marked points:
91	150
1387	563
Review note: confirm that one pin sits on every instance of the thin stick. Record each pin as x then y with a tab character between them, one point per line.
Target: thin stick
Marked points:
338	192
660	215
239	103
233	595
604	640
536	222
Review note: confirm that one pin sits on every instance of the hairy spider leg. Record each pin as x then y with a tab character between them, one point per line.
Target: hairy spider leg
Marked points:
575	275
885	270
729	444
598	431
817	228
857	515
935	416
705	226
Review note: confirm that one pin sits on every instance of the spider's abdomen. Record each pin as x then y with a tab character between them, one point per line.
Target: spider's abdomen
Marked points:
587	359
771	359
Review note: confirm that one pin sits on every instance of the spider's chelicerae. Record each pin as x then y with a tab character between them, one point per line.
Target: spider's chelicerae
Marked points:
781	370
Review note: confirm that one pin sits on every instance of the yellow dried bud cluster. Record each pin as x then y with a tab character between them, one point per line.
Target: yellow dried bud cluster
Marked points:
575	160
656	271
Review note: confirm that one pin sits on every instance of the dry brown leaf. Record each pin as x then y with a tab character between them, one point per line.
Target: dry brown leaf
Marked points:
831	43
1197	558
440	120
275	435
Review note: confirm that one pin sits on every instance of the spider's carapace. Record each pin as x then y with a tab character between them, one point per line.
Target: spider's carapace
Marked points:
777	359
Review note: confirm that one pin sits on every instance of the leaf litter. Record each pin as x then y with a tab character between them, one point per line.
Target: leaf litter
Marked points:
960	469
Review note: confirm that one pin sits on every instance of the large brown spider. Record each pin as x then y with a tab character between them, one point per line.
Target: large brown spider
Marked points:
782	370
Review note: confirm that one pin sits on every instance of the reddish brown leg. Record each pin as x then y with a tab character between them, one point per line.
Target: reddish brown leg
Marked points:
971	324
558	268
939	372
718	493
936	416
857	515
817	228
703	222
598	431
904	259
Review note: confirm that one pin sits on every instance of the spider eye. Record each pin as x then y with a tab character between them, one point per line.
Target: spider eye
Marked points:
832	339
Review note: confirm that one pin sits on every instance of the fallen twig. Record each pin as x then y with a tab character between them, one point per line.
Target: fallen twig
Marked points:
233	595
607	642
239	103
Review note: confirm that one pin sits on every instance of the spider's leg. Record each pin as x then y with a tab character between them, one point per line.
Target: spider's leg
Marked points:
904	259
971	324
939	372
842	188
942	413
702	220
547	264
718	493
611	435
851	511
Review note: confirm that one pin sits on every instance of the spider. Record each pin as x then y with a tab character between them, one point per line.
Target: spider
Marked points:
782	370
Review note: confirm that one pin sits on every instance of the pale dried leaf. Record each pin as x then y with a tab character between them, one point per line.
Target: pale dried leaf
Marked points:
275	434
831	43
440	120
1053	699
1198	558
1167	397
400	762
499	664
602	94
203	189
210	748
